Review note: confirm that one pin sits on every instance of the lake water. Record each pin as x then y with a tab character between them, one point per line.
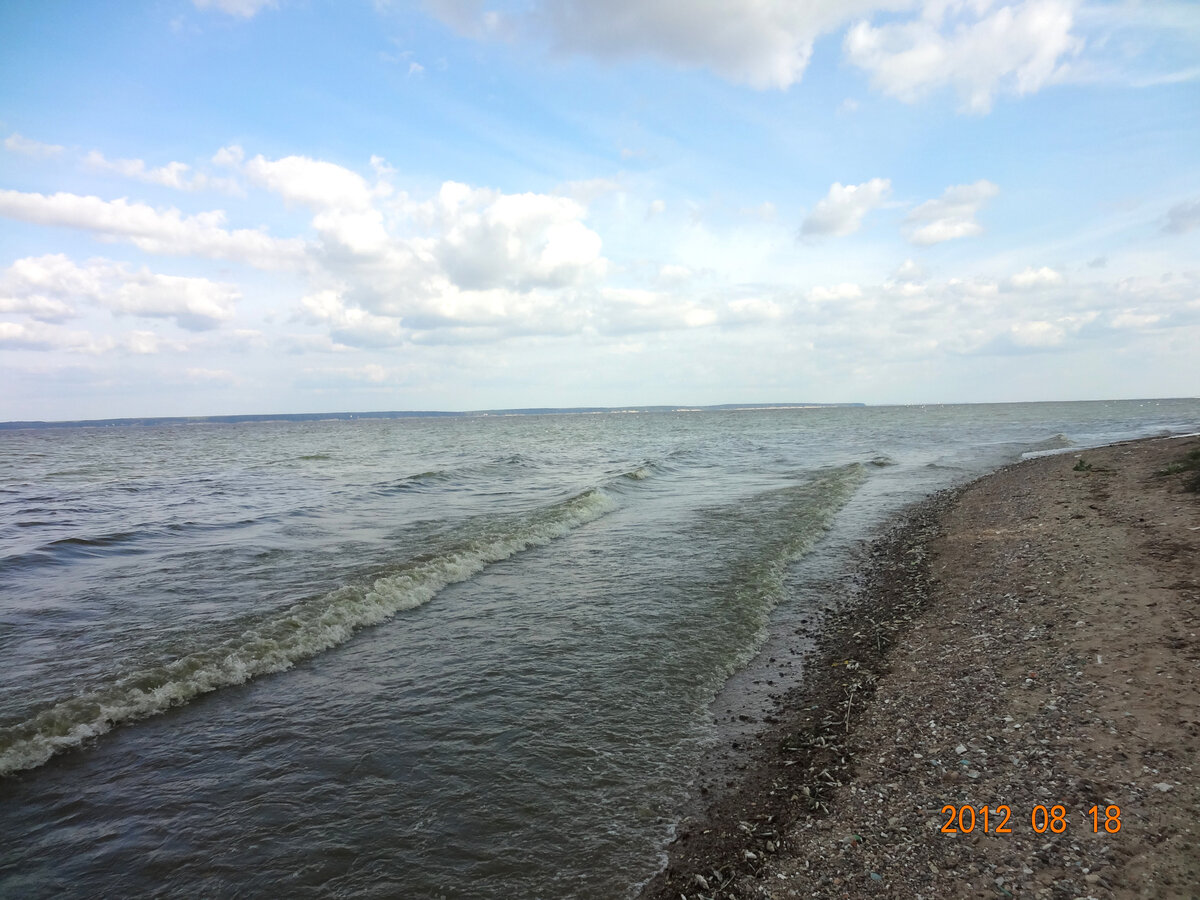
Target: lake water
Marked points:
460	657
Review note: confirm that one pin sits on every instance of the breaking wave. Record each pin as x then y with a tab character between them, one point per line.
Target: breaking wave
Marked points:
278	643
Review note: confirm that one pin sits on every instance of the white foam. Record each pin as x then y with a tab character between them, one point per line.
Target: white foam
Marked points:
300	632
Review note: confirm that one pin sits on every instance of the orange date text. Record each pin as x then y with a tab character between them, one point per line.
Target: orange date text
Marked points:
1000	820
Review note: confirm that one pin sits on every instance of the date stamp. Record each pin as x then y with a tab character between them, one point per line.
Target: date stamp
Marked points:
999	819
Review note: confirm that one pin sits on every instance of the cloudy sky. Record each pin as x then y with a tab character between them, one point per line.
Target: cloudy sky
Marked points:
239	206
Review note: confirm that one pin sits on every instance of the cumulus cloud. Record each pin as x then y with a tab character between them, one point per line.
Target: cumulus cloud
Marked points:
623	311
41	337
177	175
166	231
349	325
466	257
40	287
845	291
18	144
342	200
761	43
909	271
310	182
194	303
45	288
18	336
950	216
209	376
841	211
1036	334
979	48
517	241
1182	217
1031	278
243	9
174	174
1135	321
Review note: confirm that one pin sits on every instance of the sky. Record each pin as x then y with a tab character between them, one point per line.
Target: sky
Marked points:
274	206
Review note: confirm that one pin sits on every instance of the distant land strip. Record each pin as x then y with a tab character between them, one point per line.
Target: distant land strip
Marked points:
405	414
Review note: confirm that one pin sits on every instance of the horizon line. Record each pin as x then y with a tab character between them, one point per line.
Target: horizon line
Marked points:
235	418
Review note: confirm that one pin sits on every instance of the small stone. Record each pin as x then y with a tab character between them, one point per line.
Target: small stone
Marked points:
1163	786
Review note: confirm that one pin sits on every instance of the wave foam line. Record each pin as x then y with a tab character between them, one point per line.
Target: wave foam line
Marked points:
301	631
789	522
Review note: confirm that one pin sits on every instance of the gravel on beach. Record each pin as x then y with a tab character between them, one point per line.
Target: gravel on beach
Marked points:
1025	644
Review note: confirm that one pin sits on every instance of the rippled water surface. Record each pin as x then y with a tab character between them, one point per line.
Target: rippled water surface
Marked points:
466	657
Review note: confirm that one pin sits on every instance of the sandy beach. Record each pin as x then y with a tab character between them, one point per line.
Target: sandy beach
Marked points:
1025	646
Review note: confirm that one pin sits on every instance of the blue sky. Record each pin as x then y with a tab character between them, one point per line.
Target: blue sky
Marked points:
238	206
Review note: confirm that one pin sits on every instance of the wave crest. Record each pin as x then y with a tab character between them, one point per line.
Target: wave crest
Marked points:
301	631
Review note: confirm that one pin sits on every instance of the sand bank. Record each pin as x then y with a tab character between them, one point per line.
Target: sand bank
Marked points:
1024	643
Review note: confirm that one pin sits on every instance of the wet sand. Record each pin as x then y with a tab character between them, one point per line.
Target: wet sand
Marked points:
1029	642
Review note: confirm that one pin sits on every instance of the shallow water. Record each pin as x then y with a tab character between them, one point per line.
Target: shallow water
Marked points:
420	657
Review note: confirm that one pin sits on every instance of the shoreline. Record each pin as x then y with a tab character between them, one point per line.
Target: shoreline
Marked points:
949	578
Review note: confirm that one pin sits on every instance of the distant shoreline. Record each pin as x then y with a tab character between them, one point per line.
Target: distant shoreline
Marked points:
147	421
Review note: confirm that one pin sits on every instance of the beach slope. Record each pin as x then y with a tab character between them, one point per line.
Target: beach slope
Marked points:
1027	644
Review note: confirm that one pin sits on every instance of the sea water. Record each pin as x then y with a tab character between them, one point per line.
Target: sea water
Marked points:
444	657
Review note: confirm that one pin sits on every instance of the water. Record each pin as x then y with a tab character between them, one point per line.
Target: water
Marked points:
423	657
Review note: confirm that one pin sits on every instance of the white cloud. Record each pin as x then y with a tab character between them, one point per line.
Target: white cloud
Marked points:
466	258
367	375
514	241
143	343
311	182
977	46
1183	217
194	303
40	287
39	307
350	325
622	311
165	231
841	211
173	174
909	271
44	287
1036	334
208	376
950	216
18	144
229	156
16	336
1134	320
673	275
245	9
754	309
762	43
1031	278
344	202
588	189
42	337
844	291
177	175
